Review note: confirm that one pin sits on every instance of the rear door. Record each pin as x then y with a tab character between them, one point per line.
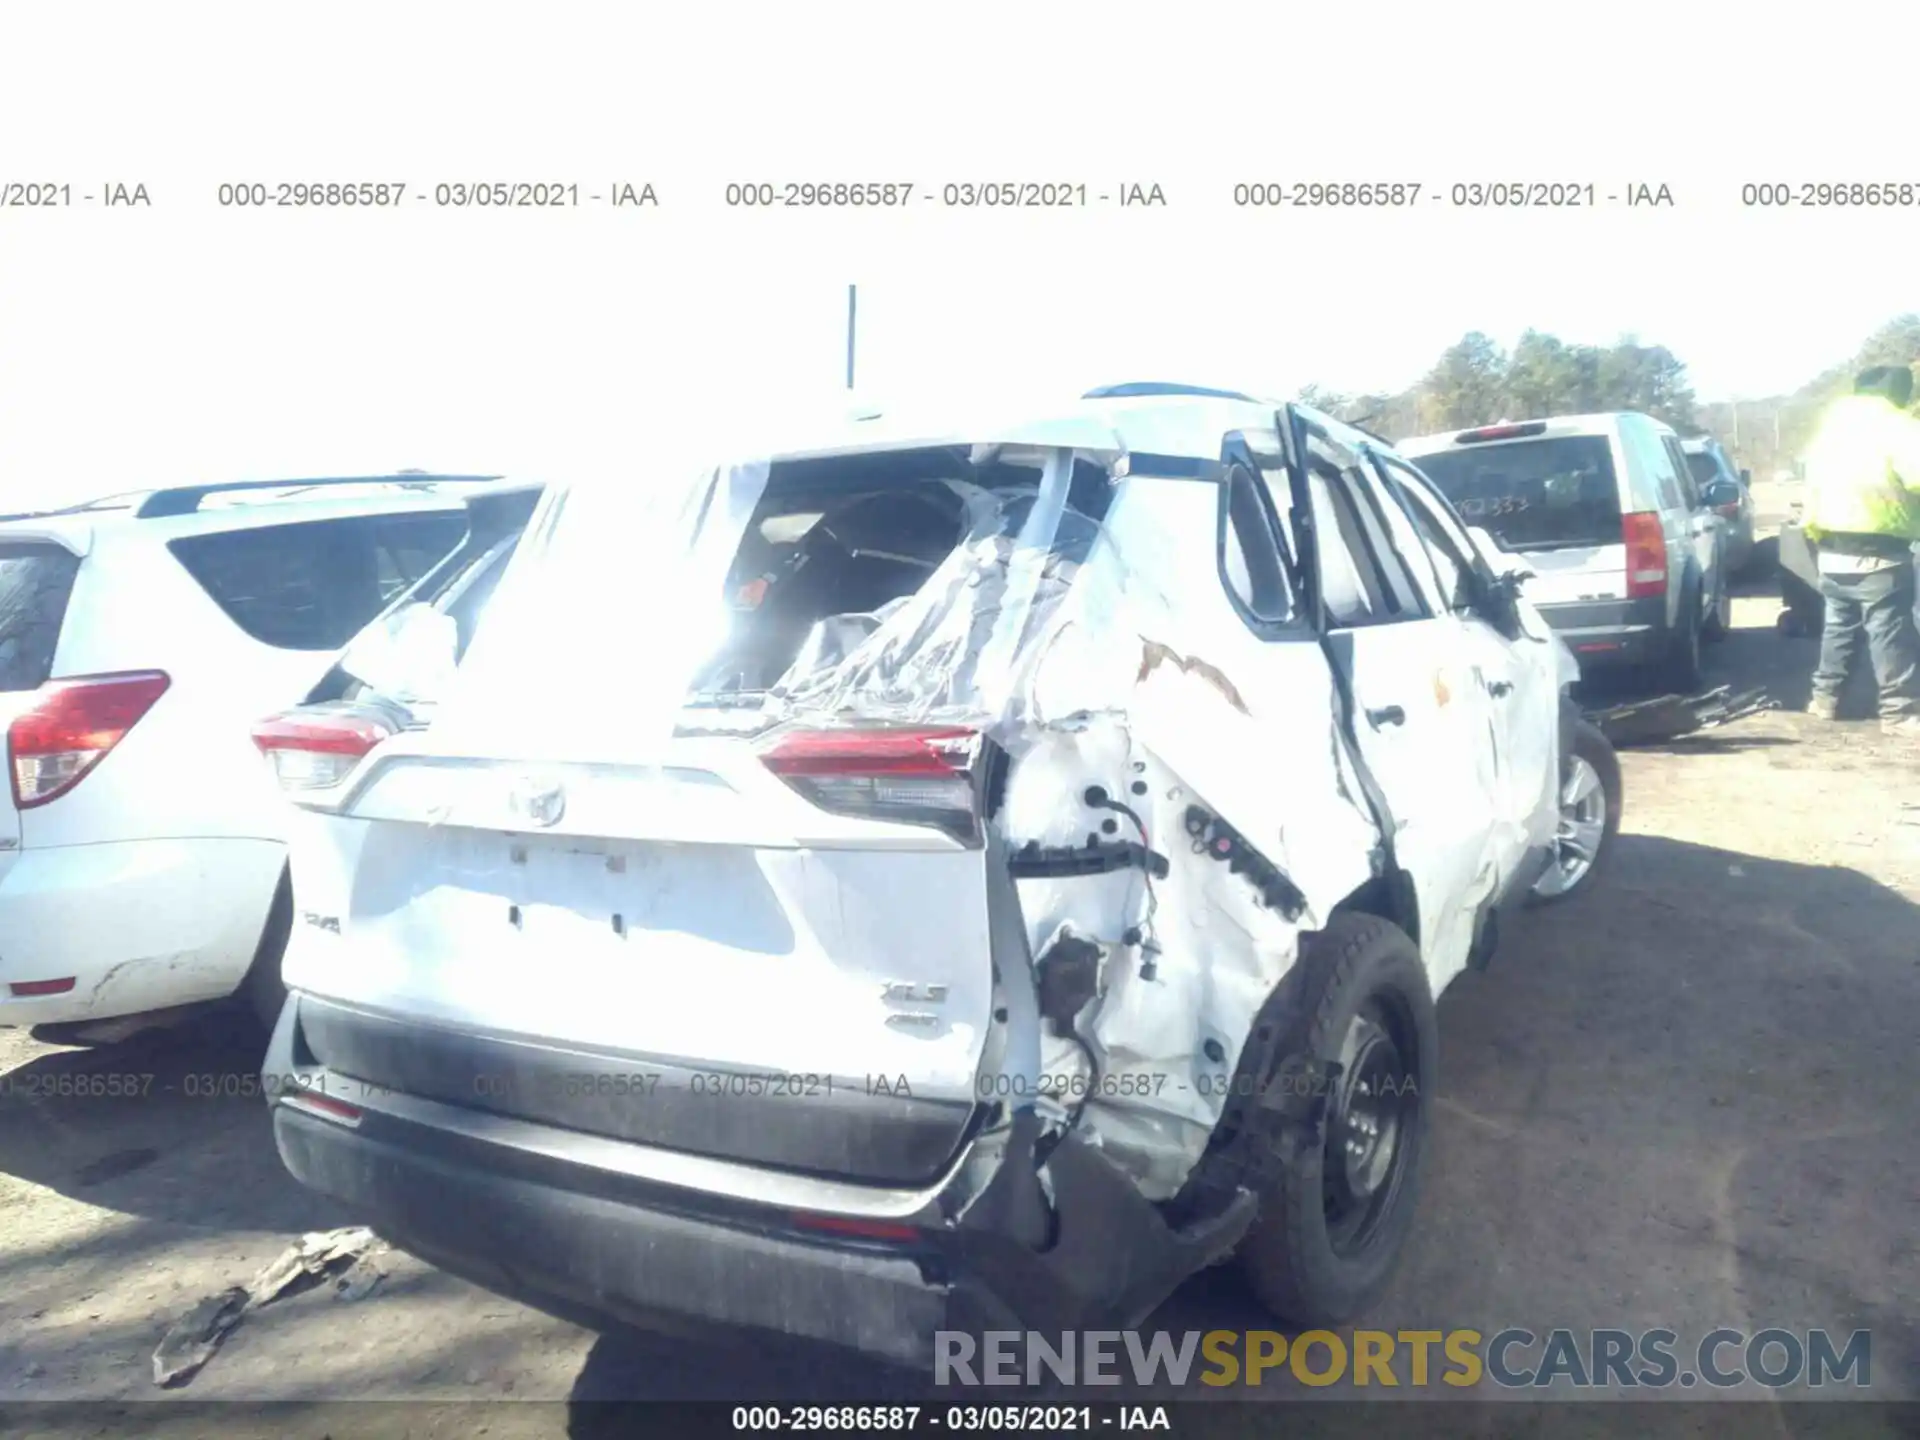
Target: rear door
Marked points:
37	572
1515	679
1421	727
1654	483
1551	496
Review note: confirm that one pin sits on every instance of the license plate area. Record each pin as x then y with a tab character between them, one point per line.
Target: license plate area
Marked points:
571	894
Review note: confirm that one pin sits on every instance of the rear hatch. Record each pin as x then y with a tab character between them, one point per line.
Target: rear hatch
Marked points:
37	572
1553	498
650	873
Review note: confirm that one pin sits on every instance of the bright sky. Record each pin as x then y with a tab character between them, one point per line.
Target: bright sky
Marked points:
188	341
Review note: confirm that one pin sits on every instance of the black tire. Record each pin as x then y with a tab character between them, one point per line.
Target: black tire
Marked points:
1591	745
263	991
1304	1262
1681	669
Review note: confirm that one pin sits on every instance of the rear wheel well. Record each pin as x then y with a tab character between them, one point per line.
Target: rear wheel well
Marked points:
1390	897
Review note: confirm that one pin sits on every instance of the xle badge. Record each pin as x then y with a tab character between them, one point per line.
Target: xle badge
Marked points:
906	992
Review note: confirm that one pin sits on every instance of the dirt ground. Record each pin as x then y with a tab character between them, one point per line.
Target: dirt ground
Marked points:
1686	1098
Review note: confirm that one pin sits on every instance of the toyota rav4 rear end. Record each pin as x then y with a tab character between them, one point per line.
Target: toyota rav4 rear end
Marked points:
725	945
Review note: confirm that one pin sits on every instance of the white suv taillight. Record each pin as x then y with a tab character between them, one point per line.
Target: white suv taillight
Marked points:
318	746
72	724
914	776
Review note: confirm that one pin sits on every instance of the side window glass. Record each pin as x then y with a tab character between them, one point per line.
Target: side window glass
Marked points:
1651	457
1365	577
1250	563
1683	473
1402	550
1447	557
1280	499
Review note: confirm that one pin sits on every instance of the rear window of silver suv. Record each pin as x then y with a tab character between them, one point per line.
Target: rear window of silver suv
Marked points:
1541	493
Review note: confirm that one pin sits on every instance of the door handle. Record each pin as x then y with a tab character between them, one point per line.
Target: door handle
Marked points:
1386	715
1499	689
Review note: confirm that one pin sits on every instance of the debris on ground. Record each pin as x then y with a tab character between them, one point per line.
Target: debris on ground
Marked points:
350	1255
317	1254
194	1337
1668	717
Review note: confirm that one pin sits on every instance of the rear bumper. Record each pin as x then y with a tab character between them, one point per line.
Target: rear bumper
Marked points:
603	1229
1612	632
136	925
560	1241
875	1139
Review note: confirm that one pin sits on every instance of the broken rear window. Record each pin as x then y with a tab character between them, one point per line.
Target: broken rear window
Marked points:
904	583
839	548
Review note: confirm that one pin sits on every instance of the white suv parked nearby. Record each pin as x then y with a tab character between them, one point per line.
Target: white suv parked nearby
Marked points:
941	877
141	848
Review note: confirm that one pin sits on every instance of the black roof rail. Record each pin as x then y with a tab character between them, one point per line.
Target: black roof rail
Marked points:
1140	388
185	499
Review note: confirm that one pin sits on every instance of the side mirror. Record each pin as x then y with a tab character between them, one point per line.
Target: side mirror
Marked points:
410	655
1721	495
1746	477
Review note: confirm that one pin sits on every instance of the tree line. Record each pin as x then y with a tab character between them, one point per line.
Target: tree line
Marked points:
1477	382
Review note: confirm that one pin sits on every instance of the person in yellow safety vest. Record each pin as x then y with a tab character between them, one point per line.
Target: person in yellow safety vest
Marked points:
1863	518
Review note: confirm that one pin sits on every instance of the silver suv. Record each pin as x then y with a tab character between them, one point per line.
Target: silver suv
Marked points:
1628	555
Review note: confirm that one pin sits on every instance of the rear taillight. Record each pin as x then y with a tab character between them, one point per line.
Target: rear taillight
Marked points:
71	727
316	747
1646	544
25	989
914	776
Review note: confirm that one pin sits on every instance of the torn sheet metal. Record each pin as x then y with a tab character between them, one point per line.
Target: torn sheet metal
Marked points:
1110	665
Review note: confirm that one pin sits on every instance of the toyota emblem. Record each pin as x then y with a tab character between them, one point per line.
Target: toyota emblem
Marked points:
540	802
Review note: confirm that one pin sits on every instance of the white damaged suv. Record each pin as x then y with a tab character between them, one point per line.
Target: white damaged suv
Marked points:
935	877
